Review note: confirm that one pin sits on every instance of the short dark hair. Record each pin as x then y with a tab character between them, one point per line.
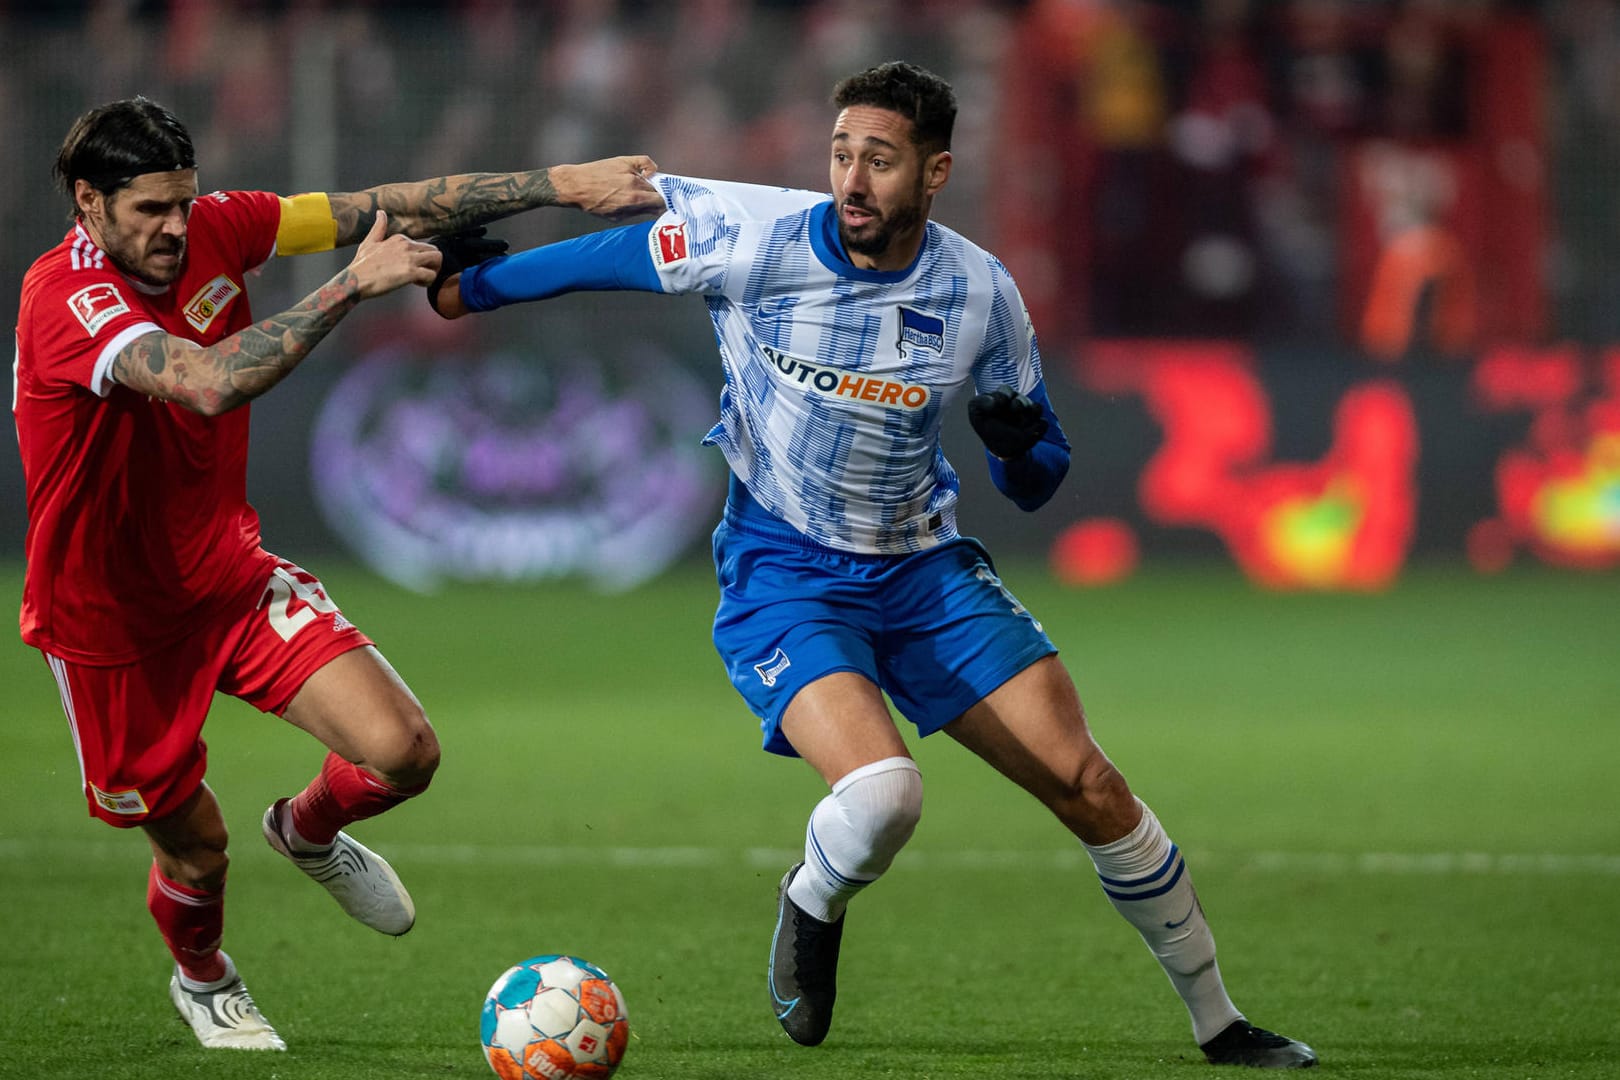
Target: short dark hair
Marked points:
113	143
915	93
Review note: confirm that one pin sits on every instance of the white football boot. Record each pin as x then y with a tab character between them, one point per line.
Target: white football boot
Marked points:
224	1016
362	882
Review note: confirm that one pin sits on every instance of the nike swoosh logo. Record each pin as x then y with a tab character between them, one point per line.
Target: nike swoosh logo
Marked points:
1183	920
770	977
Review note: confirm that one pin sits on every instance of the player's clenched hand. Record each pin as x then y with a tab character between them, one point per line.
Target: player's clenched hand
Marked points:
459	250
1007	422
383	263
612	188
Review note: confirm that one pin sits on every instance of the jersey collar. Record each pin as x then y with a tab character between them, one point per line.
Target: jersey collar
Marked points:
829	248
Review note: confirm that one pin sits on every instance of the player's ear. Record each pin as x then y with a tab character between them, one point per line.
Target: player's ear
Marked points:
86	198
936	170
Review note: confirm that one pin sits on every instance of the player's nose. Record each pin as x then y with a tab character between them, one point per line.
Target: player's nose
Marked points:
855	179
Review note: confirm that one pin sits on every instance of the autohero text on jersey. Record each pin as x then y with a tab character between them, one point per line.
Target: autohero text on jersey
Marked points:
826	380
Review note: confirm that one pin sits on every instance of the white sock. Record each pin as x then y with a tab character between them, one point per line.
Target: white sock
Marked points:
1145	878
855	833
294	839
218	984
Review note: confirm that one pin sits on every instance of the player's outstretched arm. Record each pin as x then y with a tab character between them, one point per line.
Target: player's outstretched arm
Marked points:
458	252
217	378
614	188
483	279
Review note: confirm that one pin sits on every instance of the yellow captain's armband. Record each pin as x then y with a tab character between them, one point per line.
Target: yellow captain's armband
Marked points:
307	225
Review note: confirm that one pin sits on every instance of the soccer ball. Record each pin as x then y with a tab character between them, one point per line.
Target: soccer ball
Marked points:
552	1018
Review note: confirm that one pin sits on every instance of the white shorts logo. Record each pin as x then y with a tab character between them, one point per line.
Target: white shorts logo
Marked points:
770	669
989	577
95	304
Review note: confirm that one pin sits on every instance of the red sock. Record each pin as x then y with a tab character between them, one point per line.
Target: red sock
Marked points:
341	794
191	922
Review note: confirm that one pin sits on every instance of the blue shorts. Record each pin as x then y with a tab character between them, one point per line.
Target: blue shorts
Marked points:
935	630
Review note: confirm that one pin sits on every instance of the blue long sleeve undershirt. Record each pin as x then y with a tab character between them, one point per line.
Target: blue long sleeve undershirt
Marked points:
613	259
619	260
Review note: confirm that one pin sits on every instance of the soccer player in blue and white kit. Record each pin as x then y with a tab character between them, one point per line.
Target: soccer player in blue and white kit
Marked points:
847	327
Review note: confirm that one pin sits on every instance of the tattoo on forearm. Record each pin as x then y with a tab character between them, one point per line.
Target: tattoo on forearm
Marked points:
238	369
441	205
262	355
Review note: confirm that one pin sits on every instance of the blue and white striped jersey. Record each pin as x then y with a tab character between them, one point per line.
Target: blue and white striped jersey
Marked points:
837	379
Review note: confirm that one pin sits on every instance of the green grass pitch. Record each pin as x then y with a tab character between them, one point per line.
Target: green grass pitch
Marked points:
1400	811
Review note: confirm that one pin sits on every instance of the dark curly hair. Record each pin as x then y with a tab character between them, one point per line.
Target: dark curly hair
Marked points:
915	93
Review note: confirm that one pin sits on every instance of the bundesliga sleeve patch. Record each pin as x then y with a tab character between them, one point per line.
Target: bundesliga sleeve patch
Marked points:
670	244
95	305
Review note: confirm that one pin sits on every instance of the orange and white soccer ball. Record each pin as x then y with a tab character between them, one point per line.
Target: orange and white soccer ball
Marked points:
553	1018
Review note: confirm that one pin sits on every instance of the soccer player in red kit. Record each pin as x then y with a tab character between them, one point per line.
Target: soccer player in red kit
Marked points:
147	589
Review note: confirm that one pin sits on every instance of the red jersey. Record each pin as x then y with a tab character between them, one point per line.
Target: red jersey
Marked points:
139	523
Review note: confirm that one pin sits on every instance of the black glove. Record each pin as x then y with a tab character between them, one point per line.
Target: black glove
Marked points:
461	250
1008	423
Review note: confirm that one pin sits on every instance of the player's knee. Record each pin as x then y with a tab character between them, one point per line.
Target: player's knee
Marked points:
199	866
895	820
1095	799
882	805
905	806
210	872
409	763
1104	786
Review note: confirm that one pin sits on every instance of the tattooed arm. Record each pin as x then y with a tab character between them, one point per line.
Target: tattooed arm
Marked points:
217	378
612	188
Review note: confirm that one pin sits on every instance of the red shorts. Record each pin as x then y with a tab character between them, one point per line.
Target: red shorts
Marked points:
137	728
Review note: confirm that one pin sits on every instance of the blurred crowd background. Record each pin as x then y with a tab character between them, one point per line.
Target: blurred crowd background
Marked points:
1397	214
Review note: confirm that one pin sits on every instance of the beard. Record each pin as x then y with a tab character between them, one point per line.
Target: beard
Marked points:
873	238
126	254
